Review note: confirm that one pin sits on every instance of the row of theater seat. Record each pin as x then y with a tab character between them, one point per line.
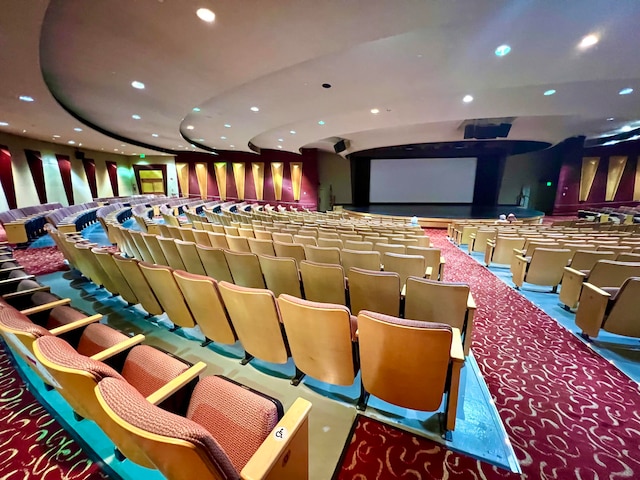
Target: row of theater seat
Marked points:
150	403
598	273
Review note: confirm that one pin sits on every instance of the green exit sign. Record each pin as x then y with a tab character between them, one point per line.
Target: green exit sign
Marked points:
142	155
548	184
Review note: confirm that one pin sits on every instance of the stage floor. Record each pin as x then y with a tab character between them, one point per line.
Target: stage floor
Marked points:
445	211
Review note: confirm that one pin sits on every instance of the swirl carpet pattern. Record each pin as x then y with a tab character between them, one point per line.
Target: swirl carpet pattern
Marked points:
33	445
568	412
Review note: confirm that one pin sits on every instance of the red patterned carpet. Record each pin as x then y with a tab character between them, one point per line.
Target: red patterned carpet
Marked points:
569	413
33	445
40	261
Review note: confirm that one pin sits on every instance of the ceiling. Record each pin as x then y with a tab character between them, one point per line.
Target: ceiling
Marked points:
413	60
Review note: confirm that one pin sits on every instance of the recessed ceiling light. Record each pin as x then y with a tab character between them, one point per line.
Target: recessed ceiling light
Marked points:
137	84
56	136
255	109
626	128
123	145
154	135
625	91
223	138
232	146
502	50
5	124
115	149
226	125
24	131
588	41
189	127
196	109
549	92
206	15
136	116
80	144
281	139
26	98
292	132
375	111
279	146
78	129
71	142
610	119
467	99
321	122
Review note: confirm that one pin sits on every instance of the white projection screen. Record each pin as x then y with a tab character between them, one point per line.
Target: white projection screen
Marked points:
423	180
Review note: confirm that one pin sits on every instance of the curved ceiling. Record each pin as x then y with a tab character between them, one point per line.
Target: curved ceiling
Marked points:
413	60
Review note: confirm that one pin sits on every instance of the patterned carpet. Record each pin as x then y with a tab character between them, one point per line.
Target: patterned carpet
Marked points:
40	261
569	413
33	445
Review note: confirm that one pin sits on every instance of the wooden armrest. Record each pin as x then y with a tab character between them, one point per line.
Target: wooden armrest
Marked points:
428	272
22	293
83	322
521	258
118	348
9	281
176	384
46	306
456	353
596	290
442	260
403	292
574	272
491	243
285	452
518	252
471	303
10	269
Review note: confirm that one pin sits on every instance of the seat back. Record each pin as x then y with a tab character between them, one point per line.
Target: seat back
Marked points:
238	244
174	230
374	291
320	338
289	250
623	313
202	237
160	279
280	275
246	232
628	257
214	263
357	259
141	245
358	245
204	300
433	301
262	235
186	234
218	240
586	259
189	256
131	271
122	287
432	258
282	237
168	246
390	247
263	339
130	246
329	255
480	242
153	245
89	267
547	266
503	251
323	283
608	273
245	269
261	246
305	240
404	265
404	362
330	242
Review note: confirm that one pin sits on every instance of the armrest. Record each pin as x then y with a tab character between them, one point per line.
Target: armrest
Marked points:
10	269
592	309
9	281
176	384
471	303
521	258
46	306
491	243
442	260
596	290
83	322
519	252
456	353
403	292
428	272
22	293
118	348
574	272
285	452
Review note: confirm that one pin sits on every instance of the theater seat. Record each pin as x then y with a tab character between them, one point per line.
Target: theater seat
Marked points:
545	267
374	291
228	432
614	310
410	364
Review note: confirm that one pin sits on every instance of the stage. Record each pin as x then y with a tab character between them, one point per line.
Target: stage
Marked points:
439	215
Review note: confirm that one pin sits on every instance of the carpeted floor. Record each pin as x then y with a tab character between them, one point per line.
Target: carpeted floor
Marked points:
40	261
568	412
33	445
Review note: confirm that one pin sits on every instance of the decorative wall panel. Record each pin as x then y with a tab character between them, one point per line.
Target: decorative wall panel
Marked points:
296	179
589	169
276	176
616	168
257	170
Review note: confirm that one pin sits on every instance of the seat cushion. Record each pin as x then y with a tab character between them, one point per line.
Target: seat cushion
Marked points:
148	369
239	419
98	337
42	298
62	315
133	408
13	319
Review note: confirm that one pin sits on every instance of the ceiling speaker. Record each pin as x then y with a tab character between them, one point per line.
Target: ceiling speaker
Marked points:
489	131
79	155
341	146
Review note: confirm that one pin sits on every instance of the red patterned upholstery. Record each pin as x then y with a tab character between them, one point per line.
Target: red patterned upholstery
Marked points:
148	369
60	352
98	337
133	408
238	419
62	315
41	298
11	318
